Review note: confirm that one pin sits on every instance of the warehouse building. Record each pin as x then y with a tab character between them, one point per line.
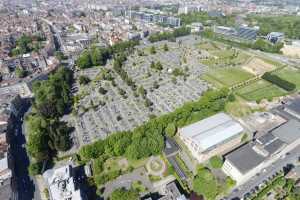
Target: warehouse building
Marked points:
212	136
253	157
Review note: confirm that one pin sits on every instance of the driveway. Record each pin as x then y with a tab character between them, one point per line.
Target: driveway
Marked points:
126	180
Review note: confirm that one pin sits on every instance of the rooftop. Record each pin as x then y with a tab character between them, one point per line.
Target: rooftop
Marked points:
294	106
288	132
212	131
245	158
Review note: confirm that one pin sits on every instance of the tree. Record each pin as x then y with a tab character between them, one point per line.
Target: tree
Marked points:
142	91
20	73
152	50
166	48
216	162
205	184
35	168
83	80
123	194
59	55
84	60
171	130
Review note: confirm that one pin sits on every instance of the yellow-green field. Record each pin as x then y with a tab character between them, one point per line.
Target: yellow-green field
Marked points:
260	90
227	76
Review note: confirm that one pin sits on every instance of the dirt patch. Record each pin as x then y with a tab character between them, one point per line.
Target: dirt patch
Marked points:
291	50
257	66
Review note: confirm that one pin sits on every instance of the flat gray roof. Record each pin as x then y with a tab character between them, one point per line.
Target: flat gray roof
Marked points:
295	106
288	132
245	158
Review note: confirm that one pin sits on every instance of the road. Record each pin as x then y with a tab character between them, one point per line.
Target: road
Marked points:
25	184
264	175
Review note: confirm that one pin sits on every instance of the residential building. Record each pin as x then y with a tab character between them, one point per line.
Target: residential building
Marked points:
62	185
212	136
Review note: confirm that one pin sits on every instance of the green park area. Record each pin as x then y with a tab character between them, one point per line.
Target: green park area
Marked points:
290	74
227	76
224	57
208	185
260	90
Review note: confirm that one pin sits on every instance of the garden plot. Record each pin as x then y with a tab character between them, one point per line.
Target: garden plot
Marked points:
227	76
260	90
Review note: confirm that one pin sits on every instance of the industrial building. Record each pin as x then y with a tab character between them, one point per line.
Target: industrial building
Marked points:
250	159
242	32
212	136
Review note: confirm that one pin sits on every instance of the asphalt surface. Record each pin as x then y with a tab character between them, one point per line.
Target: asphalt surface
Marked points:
25	185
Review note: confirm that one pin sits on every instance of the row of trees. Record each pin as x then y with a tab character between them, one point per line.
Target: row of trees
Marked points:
289	25
288	86
206	19
46	133
96	56
169	35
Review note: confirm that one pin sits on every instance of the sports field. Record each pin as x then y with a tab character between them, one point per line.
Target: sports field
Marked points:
227	76
290	74
260	90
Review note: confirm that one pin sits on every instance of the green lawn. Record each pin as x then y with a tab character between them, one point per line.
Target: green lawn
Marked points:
208	46
260	90
290	74
227	76
226	57
239	107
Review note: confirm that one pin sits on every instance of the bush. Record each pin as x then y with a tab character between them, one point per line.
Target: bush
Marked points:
171	130
83	80
288	86
216	162
35	168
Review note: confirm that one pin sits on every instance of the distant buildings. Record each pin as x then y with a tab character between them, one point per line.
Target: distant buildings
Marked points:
275	37
242	32
196	27
62	185
153	18
212	136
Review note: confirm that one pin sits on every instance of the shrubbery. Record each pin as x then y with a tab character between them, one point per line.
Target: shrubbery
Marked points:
288	86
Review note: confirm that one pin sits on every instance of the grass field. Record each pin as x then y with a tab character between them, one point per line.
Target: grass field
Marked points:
290	74
260	90
239	107
208	46
227	76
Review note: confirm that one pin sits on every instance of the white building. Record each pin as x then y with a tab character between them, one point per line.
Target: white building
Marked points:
212	136
61	184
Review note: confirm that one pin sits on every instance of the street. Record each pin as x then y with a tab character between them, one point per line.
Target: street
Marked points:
25	184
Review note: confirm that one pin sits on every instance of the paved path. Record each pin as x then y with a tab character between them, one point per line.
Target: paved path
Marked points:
126	181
